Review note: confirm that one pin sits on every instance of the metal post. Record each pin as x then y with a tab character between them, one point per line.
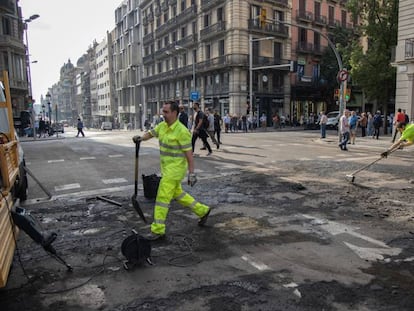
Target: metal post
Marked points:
251	79
56	120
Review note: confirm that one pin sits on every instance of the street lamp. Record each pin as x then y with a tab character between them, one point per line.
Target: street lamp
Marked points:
251	40
29	78
49	109
193	81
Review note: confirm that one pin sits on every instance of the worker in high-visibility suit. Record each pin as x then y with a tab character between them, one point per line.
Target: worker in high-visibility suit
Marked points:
175	158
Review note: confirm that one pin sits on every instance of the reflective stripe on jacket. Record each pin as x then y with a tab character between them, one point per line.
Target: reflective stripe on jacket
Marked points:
174	141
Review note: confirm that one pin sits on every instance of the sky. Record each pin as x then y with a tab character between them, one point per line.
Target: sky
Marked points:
64	30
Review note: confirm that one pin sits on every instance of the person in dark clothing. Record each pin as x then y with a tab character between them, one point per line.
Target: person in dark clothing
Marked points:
377	122
183	116
217	126
80	128
42	128
199	129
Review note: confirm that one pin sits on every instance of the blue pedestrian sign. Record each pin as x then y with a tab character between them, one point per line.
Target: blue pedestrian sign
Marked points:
194	95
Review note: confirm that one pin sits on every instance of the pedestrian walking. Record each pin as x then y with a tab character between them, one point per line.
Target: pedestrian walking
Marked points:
42	128
322	122
217	126
176	160
353	126
183	116
399	123
200	128
80	128
227	121
363	121
344	130
377	123
210	128
370	124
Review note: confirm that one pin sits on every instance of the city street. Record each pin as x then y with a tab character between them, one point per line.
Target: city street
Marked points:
288	230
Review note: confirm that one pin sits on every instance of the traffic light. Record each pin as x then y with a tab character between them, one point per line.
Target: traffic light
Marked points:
262	18
348	95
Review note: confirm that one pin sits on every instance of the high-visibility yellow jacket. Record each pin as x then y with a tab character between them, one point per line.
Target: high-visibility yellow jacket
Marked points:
408	133
174	141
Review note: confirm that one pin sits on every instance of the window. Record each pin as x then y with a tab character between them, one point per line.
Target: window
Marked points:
220	15
343	18
277	51
206	20
317	41
331	14
183	5
166	17
208	51
317	9
254	12
278	15
185	59
221	47
302	5
183	32
174	36
194	28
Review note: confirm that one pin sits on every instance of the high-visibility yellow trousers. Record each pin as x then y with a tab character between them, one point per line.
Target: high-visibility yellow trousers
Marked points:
168	190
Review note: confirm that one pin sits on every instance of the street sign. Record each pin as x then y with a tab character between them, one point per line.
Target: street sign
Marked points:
195	95
343	75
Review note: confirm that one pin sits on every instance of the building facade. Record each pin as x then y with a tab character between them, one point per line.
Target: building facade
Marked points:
127	64
14	55
404	58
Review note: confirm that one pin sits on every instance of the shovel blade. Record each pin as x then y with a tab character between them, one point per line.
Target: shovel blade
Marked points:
136	206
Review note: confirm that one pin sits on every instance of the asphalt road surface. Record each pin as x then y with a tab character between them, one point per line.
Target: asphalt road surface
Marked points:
288	231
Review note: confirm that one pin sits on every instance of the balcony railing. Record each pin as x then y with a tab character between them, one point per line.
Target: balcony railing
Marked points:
304	47
212	30
304	15
270	28
148	38
208	4
320	19
187	40
409	48
187	14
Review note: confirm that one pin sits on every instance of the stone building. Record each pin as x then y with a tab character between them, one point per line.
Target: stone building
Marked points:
404	58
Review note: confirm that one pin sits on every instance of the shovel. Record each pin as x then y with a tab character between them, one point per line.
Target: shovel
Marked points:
134	200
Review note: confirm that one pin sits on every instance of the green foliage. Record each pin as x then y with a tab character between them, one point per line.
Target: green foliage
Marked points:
371	68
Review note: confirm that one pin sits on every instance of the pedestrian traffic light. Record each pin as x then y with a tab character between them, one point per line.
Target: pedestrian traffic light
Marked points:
262	18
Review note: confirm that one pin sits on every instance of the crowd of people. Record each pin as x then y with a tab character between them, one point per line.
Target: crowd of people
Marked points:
370	125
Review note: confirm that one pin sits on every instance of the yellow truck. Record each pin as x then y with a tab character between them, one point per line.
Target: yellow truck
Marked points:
13	179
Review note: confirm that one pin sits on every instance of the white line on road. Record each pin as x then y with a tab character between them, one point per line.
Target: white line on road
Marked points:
115	155
258	265
87	158
114	181
67	187
55	161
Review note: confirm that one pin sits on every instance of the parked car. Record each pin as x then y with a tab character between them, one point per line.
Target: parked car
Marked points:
58	127
333	119
106	126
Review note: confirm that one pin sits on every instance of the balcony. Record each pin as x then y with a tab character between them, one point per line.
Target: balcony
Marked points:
144	3
409	48
305	47
189	40
157	11
166	27
270	28
213	30
188	14
148	38
209	4
164	6
171	2
320	20
304	16
333	23
148	59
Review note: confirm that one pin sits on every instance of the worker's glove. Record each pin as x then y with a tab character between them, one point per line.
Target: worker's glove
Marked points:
385	154
137	139
192	179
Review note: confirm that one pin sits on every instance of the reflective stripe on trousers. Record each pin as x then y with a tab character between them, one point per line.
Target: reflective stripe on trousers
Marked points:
168	190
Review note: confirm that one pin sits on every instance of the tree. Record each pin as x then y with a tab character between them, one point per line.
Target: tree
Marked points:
370	64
